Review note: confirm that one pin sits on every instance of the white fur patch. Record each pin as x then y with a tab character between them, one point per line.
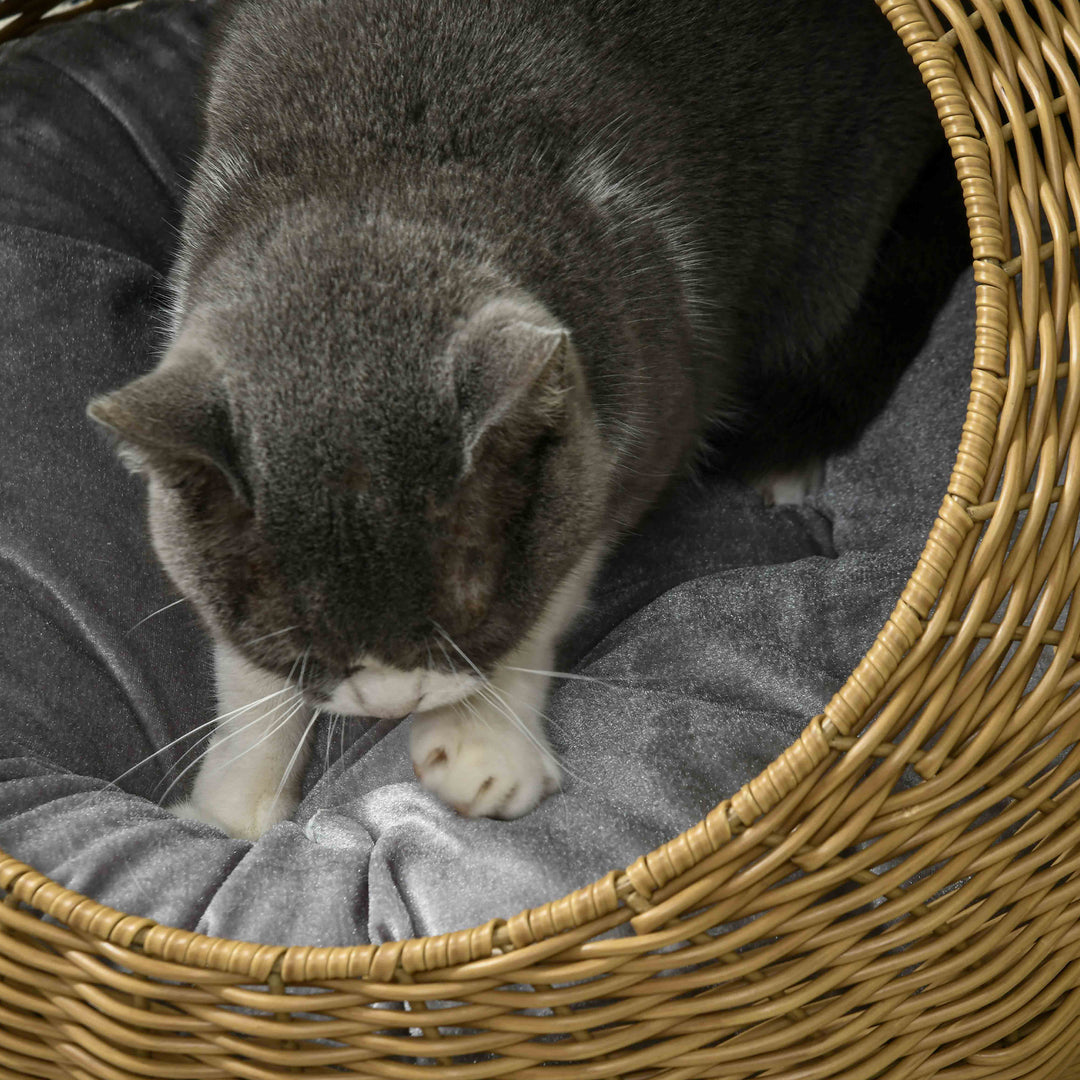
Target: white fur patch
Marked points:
387	692
791	488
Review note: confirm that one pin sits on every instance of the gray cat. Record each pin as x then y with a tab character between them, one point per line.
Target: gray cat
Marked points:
461	288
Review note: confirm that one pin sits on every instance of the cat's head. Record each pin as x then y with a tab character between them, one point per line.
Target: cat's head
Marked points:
369	475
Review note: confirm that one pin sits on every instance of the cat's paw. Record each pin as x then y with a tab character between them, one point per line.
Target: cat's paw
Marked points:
235	819
481	765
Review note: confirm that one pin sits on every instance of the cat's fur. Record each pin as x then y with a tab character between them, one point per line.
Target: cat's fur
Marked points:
461	287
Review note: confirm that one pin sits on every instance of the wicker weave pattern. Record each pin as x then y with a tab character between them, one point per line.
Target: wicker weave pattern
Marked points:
26	16
932	931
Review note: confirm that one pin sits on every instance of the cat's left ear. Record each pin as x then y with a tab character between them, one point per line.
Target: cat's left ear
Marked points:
513	359
172	415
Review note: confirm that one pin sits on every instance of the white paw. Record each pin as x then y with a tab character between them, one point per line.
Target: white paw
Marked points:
480	764
235	818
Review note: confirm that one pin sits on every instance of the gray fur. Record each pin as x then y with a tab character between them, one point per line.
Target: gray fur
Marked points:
462	285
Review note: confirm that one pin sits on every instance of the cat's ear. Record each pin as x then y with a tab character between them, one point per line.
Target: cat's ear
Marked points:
172	416
514	360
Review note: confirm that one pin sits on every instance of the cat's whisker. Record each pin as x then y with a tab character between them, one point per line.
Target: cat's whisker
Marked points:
475	712
453	644
299	746
495	697
149	757
446	655
207	748
292	670
561	675
254	704
275	633
147	618
232	715
187	735
489	692
227	738
469	709
530	706
114	784
251	705
339	723
277	726
551	723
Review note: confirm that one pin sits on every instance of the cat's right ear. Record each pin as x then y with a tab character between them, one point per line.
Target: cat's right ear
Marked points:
512	355
172	415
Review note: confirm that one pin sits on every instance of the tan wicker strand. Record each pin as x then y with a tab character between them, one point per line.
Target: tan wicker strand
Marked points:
822	922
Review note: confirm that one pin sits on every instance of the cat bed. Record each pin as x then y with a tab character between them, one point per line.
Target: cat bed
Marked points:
893	889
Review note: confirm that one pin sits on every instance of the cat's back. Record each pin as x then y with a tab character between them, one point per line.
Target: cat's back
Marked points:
402	75
728	162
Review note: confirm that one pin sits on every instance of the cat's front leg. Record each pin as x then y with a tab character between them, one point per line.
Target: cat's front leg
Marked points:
250	777
488	756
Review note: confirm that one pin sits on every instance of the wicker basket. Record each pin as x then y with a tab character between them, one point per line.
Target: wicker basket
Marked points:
881	931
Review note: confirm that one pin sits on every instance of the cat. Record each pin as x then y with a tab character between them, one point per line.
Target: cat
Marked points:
461	288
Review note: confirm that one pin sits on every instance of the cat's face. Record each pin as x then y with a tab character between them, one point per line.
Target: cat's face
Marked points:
375	506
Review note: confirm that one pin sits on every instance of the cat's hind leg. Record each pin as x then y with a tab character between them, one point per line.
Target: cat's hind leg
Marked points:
791	487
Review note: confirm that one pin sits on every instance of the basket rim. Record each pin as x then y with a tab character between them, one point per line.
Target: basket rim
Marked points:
646	893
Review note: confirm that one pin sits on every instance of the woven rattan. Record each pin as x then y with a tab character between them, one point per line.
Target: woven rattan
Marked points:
870	929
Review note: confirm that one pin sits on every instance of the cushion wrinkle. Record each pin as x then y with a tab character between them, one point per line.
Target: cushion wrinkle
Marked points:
157	169
83	633
93	247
